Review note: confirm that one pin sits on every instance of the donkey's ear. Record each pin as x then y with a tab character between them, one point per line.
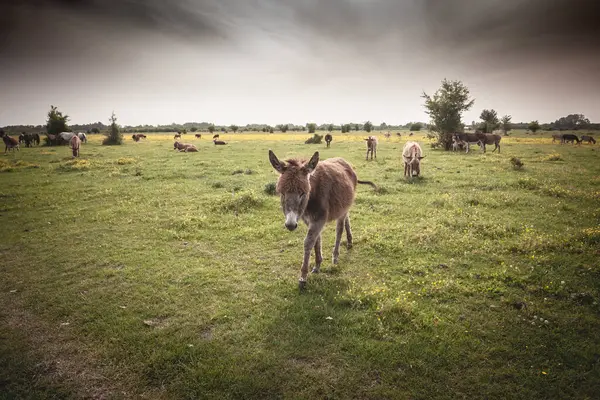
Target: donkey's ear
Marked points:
312	164
420	158
278	165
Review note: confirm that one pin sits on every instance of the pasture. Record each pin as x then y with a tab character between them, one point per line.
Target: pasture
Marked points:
140	272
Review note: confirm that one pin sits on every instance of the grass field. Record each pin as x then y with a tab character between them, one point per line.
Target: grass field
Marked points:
139	272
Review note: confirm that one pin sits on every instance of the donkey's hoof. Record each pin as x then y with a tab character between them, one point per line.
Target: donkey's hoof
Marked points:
349	245
301	285
334	260
316	269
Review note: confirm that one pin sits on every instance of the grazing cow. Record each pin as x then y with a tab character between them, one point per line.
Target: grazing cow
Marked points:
371	146
491	138
137	136
557	137
198	136
317	192
82	137
398	134
589	139
75	144
410	134
177	136
387	135
216	136
65	137
9	142
328	139
468	139
22	137
36	138
412	154
570	138
219	142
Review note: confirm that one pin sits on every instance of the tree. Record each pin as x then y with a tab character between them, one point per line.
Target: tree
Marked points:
506	124
368	126
113	136
95	130
330	127
193	129
534	126
356	127
57	122
416	126
283	128
211	128
383	126
312	127
234	128
445	108
490	121
572	122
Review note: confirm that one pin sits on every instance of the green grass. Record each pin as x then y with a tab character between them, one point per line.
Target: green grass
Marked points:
140	271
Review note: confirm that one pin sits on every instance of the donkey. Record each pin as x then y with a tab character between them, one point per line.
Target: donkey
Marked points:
177	136
589	139
219	142
412	154
75	144
557	137
387	135
490	138
9	142
317	192
198	136
328	139
371	146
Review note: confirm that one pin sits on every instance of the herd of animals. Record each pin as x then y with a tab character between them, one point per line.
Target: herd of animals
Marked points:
317	192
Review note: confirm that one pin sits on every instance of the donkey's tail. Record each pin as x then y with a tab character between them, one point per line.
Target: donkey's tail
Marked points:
368	183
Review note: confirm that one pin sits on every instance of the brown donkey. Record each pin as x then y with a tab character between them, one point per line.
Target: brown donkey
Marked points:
317	192
75	144
371	146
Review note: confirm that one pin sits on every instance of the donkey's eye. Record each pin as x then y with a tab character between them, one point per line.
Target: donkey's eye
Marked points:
302	196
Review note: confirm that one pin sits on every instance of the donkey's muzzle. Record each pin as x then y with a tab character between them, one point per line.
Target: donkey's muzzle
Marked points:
291	225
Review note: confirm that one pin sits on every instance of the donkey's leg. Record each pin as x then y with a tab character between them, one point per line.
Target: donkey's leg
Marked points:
339	230
314	231
348	231
318	256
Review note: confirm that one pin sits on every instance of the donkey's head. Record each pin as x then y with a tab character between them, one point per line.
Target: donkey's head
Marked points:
293	186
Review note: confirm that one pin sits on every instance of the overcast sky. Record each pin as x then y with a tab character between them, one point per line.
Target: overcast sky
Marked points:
279	61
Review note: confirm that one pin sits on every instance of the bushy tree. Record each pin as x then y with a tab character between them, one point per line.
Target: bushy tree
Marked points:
312	127
211	128
534	126
506	124
489	120
113	136
193	129
330	127
57	122
415	127
283	128
356	127
572	122
445	108
95	130
368	126
383	126
234	128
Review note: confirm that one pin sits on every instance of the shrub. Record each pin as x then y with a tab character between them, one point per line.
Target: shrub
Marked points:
114	136
271	189
516	163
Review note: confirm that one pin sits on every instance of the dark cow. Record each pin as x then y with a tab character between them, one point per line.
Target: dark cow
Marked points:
570	138
589	139
219	142
198	136
328	139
